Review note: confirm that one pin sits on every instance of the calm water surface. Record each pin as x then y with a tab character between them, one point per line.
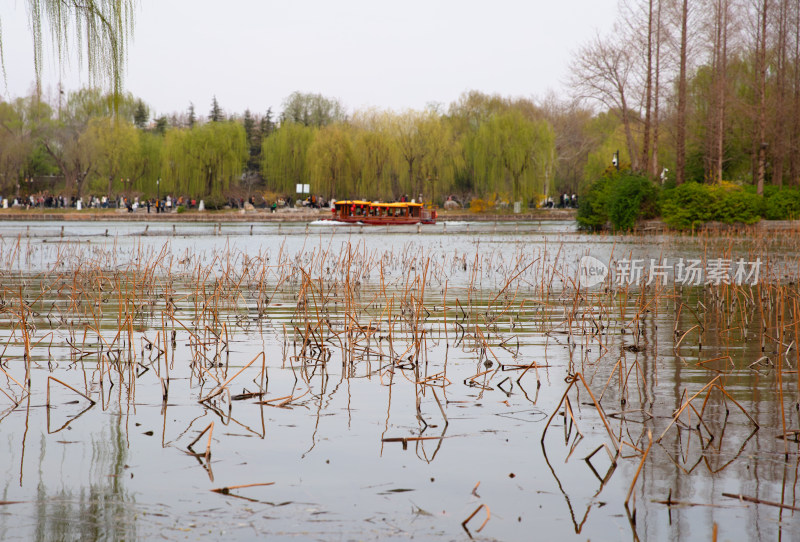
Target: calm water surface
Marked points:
330	345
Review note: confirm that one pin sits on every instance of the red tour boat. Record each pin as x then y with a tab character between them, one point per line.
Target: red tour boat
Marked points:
382	214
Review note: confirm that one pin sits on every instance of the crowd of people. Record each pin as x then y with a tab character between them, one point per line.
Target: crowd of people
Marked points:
164	204
565	201
169	203
47	201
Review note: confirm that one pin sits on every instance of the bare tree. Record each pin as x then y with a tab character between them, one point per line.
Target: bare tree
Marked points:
680	128
716	122
648	84
659	33
603	71
760	87
573	141
794	152
778	147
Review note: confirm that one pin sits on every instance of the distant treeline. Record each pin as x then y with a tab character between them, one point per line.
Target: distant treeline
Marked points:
680	91
485	146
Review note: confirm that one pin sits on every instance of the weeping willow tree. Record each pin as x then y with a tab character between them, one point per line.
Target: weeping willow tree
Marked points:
146	168
203	160
413	134
284	157
443	157
375	154
16	141
515	150
114	146
332	163
99	30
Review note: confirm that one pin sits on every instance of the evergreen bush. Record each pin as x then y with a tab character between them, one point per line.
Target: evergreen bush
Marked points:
692	204
618	201
782	204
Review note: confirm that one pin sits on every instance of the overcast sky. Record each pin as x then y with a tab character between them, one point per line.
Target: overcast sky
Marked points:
252	54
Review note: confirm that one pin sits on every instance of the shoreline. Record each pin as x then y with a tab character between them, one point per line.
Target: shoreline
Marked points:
284	215
646	227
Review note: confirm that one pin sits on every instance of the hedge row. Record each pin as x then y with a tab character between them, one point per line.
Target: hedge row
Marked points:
617	202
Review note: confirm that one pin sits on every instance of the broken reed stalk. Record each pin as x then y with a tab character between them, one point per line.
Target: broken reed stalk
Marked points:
754	500
210	430
22	387
25	337
472	515
227	489
639	470
685	405
216	391
49	378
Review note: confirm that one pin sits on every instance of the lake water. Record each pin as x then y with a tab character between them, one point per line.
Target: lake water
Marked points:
306	381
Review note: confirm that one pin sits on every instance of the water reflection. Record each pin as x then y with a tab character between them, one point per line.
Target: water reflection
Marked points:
377	381
80	489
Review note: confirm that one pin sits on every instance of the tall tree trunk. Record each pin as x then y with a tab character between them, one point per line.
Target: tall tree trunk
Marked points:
626	123
794	155
645	159
723	93
759	141
680	144
720	90
779	140
656	90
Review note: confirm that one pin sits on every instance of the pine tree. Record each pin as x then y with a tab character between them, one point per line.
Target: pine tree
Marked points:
140	115
249	126
216	114
253	141
161	125
267	126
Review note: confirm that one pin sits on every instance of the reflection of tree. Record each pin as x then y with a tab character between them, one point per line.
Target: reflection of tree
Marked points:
101	509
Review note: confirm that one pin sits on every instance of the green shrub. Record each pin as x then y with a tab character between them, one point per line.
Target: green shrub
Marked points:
691	204
618	201
214	203
632	198
782	204
736	205
180	209
593	206
686	205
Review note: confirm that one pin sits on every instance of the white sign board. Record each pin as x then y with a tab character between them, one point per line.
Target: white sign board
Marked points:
303	188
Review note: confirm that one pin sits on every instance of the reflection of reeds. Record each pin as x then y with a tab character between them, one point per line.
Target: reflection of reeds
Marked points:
396	317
